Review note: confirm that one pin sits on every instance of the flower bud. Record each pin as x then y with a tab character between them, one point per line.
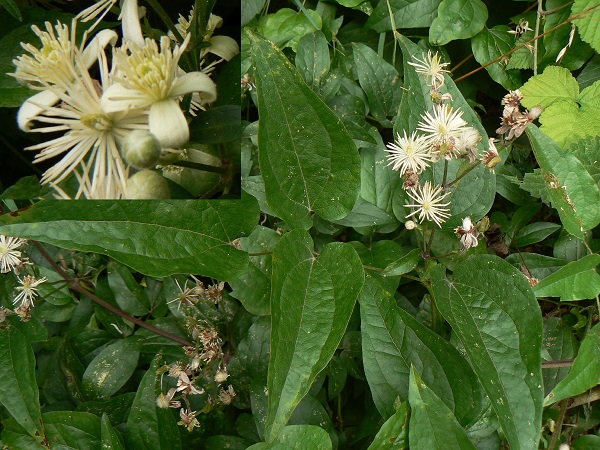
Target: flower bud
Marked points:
410	225
141	149
147	185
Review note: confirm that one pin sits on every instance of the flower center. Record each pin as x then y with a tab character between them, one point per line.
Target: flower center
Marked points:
97	122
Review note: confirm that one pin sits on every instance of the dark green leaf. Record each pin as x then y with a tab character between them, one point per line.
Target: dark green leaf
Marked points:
460	19
311	303
406	14
18	388
72	430
432	424
152	237
578	280
148	426
490	44
585	372
129	295
534	232
403	265
12	8
393	341
308	161
561	344
111	369
297	437
111	440
312	59
492	310
250	8
217	125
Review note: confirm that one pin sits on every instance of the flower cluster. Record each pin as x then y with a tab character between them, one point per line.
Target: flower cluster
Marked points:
141	89
514	121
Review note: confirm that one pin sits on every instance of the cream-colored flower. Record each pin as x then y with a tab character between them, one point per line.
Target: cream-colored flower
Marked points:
432	68
467	233
28	290
409	153
149	77
10	256
443	124
129	17
92	137
428	203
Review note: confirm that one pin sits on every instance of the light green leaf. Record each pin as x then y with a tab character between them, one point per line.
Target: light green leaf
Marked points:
380	81
393	434
111	368
587	23
157	238
308	161
490	44
523	57
393	341
311	303
407	14
587	152
457	19
111	440
148	426
432	424
492	310
578	280
286	27
534	183
585	372
298	437
572	189
556	84
312	59
19	392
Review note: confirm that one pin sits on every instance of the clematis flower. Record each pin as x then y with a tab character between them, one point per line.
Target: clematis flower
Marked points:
28	290
428	203
409	154
10	256
129	17
432	68
149	77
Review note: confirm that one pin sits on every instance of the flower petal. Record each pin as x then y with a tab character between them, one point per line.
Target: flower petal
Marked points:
100	41
33	106
224	47
119	98
130	21
167	122
195	82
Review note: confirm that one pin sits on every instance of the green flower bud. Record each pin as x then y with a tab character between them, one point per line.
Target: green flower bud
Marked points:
141	149
147	185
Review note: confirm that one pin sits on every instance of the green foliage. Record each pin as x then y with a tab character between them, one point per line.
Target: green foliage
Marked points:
324	301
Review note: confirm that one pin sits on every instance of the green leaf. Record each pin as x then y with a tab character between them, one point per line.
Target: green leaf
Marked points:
157	238
534	183
407	14
72	430
432	424
540	266
556	84
570	247
380	81
572	189
393	434
587	151
250	8
578	280
148	426
534	232
19	392
379	255
312	59
457	19
311	303
297	437
490	44
587	24
392	341
561	344
111	440
217	125
492	310
253	288
111	368
286	26
129	295
585	372
308	161
12	8
589	442
403	265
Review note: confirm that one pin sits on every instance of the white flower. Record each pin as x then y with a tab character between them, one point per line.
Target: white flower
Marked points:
149	77
91	140
443	125
409	153
432	68
130	18
428	203
28	290
467	143
467	233
10	257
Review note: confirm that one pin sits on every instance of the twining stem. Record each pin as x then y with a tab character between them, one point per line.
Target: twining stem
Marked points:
537	31
558	425
510	52
458	178
74	284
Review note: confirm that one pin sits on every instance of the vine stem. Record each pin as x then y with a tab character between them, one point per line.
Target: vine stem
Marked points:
510	52
558	426
74	284
537	32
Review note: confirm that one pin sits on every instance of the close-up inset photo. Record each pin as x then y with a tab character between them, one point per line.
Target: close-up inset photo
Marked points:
120	100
